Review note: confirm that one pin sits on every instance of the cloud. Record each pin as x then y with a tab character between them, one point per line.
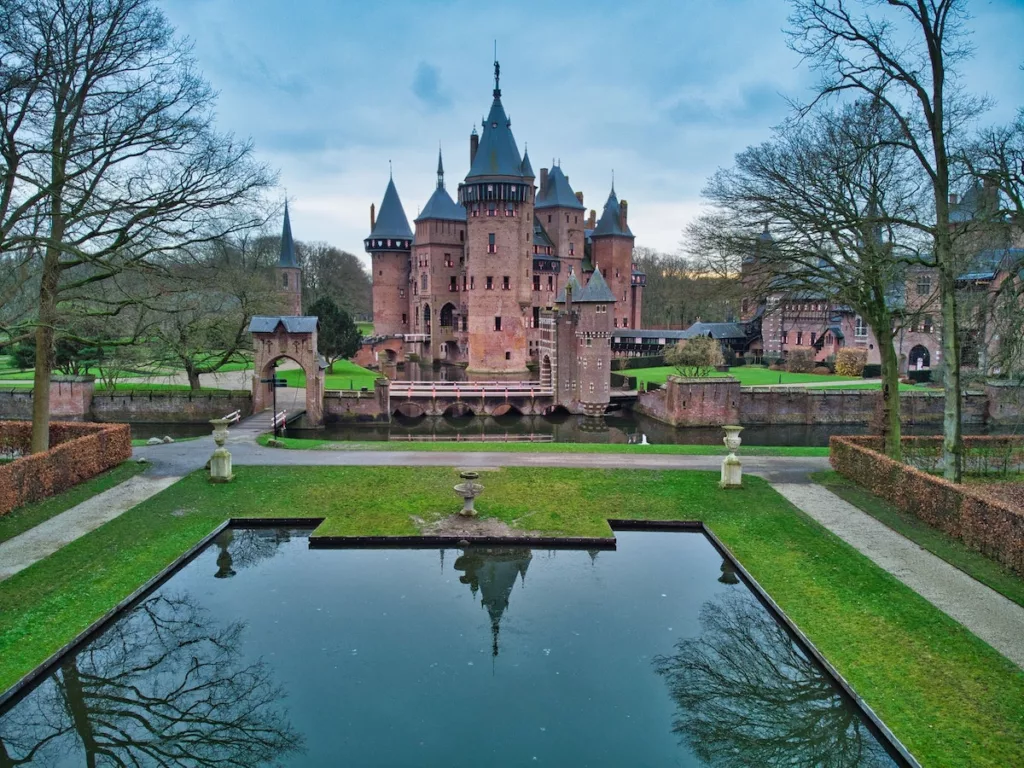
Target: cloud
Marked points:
426	86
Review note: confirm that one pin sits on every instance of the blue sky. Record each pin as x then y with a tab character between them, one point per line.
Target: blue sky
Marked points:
663	93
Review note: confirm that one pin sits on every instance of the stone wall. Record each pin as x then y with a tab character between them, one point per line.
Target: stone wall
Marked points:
351	405
1005	402
77	401
693	402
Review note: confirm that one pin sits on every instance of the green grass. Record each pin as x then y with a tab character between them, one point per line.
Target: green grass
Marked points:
680	450
347	375
366	329
940	544
876	386
21	519
124	386
748	375
947	695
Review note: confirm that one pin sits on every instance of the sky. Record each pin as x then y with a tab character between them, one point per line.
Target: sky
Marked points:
659	93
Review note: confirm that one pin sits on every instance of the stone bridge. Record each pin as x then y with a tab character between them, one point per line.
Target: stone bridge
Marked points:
470	398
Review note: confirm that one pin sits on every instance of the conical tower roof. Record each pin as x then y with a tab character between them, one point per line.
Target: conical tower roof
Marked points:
440	206
497	154
526	168
573	283
597	290
609	223
391	221
287	257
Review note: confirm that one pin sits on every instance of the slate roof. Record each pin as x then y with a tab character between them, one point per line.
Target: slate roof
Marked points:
716	330
540	237
292	324
988	263
596	291
391	219
577	289
967	207
287	257
558	193
609	223
525	168
497	154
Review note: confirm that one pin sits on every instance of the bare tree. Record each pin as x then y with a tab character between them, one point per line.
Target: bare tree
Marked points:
111	164
838	191
903	53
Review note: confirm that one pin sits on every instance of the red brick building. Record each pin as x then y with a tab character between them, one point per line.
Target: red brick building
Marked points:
468	286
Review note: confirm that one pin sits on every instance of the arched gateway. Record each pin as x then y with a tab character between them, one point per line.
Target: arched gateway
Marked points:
293	338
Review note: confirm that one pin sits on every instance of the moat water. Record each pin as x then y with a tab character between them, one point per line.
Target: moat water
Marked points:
264	652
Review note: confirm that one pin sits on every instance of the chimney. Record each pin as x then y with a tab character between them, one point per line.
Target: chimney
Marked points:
953	199
623	210
592	224
373	216
543	181
579	196
474	144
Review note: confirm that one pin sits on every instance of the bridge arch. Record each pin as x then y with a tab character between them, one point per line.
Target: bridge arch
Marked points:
295	339
458	410
506	409
410	410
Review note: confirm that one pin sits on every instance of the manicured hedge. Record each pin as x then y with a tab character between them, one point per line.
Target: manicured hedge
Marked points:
627	363
994	528
621	381
77	452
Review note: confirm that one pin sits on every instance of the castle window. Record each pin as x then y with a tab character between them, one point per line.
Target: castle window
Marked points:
591	387
463	282
401	293
453	284
497	323
785	337
625	323
536	317
575	219
510	209
600	363
536	282
405	318
423	281
567	218
465	323
505	283
572	249
490	283
549	218
472	282
861	328
924	285
462	234
491	246
616	321
551	282
508	355
285	279
492	209
927	324
590	342
799	338
813	335
448	260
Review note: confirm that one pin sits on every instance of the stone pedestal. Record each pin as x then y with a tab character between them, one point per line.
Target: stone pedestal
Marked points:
220	462
732	469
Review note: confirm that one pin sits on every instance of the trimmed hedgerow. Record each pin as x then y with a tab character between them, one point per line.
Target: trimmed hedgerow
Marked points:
987	525
78	451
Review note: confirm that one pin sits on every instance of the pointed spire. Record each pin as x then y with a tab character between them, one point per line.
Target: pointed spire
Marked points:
440	169
391	221
526	168
596	290
287	257
611	222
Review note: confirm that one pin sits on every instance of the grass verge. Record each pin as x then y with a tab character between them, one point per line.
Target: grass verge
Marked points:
347	375
21	519
296	443
940	544
952	699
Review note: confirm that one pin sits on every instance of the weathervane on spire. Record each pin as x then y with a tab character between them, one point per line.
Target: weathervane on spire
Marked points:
497	72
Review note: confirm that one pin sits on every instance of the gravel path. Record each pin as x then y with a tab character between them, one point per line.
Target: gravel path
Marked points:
992	617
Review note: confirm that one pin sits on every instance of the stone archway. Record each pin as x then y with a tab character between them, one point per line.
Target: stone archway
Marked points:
919	357
294	338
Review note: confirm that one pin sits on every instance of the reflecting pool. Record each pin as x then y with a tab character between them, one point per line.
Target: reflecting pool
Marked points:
263	652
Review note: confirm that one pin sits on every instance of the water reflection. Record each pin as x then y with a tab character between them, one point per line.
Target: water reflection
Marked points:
746	694
246	547
165	686
493	572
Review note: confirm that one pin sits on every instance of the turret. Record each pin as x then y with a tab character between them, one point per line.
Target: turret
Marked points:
389	246
612	248
562	214
289	274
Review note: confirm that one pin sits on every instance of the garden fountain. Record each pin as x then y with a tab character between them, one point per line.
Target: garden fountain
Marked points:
468	489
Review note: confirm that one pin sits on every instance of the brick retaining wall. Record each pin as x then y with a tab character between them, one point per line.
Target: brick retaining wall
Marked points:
77	401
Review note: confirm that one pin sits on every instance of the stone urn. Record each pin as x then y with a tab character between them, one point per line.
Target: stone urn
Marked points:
468	489
732	470
220	462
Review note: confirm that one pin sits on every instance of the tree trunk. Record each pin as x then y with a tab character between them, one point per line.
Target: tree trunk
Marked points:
891	428
330	366
952	464
193	378
47	320
78	709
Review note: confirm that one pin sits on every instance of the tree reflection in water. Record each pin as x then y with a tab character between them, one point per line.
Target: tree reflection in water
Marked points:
746	694
165	686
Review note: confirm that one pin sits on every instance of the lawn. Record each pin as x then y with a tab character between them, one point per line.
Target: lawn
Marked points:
465	447
347	375
940	544
366	329
21	519
947	695
748	375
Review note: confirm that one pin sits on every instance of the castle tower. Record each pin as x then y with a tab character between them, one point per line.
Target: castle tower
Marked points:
439	264
289	274
389	246
612	248
498	198
561	213
584	344
753	276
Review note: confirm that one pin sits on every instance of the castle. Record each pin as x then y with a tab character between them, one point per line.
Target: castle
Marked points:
472	283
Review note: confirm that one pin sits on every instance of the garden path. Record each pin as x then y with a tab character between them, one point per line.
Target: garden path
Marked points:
992	617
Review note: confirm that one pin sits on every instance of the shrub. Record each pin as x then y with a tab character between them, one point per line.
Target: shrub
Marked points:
822	370
851	362
872	371
648	361
919	377
698	356
800	360
991	527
